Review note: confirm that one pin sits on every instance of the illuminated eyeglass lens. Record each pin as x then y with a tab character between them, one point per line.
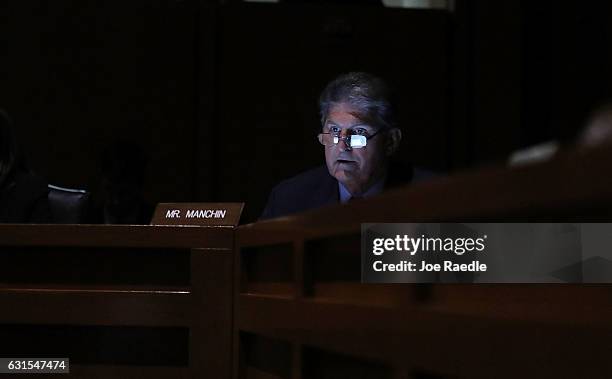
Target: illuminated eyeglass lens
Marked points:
357	142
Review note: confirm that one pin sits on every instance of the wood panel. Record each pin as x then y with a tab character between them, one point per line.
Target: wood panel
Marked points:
120	301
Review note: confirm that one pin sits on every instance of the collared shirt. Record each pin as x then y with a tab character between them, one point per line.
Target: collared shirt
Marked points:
345	195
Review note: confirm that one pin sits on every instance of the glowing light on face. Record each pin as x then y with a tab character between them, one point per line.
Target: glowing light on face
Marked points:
356	168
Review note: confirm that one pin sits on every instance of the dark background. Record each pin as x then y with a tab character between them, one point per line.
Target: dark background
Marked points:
223	96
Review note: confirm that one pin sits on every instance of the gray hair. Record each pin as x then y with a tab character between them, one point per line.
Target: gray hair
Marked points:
369	95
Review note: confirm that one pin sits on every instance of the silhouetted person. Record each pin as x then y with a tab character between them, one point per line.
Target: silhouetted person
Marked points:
123	167
598	129
23	194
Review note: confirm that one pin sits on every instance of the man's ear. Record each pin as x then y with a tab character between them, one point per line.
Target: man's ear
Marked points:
394	138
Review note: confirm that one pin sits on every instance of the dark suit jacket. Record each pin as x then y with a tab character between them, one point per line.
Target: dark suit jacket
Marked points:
23	199
316	188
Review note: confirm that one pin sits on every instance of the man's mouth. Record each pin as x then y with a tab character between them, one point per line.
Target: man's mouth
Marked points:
344	161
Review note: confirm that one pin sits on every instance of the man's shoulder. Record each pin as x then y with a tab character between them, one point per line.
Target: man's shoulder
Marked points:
306	179
307	190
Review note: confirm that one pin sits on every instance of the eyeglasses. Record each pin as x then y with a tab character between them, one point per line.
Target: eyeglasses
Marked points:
352	141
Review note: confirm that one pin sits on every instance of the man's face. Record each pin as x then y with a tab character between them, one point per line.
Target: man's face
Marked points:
356	169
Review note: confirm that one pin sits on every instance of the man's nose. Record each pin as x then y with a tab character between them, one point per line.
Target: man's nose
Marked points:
343	143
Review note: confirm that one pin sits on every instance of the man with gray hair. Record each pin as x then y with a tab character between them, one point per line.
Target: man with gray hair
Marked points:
359	134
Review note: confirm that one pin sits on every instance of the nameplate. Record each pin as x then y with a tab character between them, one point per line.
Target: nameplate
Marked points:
197	214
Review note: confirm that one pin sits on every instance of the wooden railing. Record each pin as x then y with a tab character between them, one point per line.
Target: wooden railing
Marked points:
301	311
119	301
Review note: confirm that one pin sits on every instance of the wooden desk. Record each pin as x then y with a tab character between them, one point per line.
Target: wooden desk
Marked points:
119	301
158	302
301	311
